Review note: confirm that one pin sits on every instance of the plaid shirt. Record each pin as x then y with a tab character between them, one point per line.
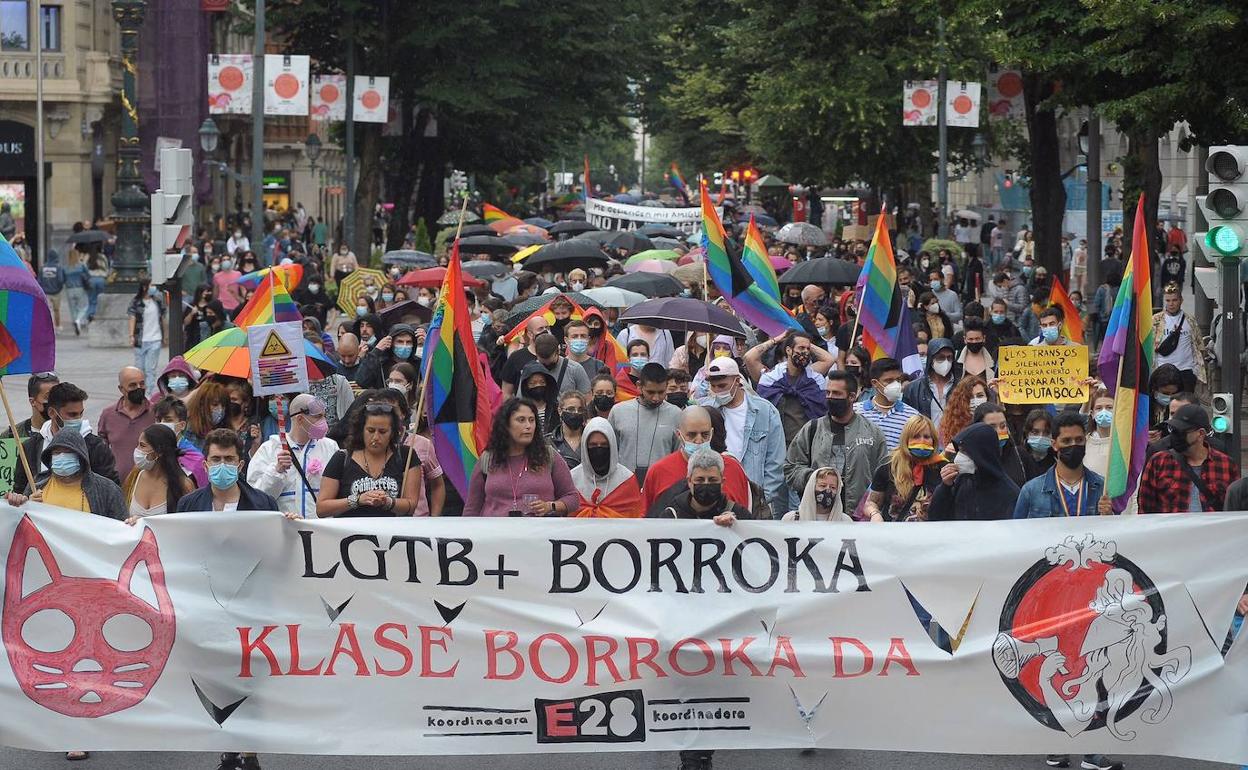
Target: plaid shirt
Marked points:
1166	488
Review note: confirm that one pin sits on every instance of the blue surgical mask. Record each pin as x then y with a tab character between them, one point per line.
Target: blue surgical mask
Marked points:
578	346
178	385
1050	333
359	311
691	447
73	426
1040	443
936	285
273	409
1104	418
153	292
998	318
223	476
387	296
638	361
1027	271
403	351
66	464
1162	399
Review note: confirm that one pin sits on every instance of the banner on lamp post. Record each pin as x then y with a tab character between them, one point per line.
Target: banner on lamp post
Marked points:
329	97
229	84
372	99
286	84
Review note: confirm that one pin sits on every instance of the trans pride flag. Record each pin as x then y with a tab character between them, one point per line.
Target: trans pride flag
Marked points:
1125	365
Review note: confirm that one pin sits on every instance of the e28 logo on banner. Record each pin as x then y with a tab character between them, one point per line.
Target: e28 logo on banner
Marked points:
616	717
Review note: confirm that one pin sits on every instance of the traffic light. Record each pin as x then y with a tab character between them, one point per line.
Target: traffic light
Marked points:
748	175
1223	412
172	214
1226	206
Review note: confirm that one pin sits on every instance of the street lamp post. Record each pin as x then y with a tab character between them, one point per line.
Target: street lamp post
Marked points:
312	148
209	138
129	203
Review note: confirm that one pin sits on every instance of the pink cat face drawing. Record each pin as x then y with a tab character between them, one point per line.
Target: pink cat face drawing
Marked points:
114	645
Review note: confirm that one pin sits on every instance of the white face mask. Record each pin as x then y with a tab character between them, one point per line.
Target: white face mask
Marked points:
399	386
976	401
173	426
964	463
578	285
942	367
892	391
142	461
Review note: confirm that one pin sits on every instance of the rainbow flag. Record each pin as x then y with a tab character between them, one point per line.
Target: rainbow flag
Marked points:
881	305
1125	365
758	261
269	305
585	193
678	182
25	316
740	283
459	403
492	213
1072	324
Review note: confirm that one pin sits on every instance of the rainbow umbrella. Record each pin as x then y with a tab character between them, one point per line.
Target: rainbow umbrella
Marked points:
226	353
29	339
290	275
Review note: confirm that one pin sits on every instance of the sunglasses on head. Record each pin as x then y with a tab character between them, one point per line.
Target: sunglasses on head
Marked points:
378	408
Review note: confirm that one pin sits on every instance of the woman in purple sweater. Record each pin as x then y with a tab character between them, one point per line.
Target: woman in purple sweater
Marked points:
519	474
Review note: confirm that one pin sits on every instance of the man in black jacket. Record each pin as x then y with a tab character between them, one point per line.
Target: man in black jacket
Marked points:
65	407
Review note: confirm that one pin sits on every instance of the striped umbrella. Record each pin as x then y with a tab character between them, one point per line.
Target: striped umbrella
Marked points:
226	353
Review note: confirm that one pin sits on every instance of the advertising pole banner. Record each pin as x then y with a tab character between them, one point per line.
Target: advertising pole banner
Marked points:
229	84
286	84
213	632
620	216
329	97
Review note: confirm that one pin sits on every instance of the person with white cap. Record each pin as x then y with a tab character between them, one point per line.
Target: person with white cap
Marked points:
291	471
755	431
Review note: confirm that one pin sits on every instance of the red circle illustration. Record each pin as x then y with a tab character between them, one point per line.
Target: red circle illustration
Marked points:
1009	85
921	98
230	78
286	86
329	93
370	99
963	104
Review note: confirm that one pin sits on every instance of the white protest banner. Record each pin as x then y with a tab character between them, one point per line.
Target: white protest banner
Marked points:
285	84
278	364
211	631
918	105
620	216
1043	374
229	84
962	100
372	99
329	97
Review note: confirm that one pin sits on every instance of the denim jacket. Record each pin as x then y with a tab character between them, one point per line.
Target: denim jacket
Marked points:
765	451
1041	499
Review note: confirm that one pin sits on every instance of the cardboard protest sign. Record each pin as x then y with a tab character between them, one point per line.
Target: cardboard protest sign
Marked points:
1043	374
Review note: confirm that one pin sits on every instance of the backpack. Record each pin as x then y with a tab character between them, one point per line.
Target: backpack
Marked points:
51	279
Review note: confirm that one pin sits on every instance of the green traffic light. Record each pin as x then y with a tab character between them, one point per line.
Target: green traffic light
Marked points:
1221	424
1224	239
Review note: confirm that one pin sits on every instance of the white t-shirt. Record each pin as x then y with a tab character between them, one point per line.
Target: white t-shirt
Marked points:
734	423
1184	356
151	321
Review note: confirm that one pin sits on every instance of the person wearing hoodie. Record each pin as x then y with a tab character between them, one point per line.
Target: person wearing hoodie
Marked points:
539	385
721	346
66	406
902	487
177	379
72	484
313	324
974	486
608	490
52	281
929	394
314	303
844	440
822	499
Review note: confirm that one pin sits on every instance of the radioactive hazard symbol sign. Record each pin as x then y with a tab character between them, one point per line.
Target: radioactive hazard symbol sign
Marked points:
274	347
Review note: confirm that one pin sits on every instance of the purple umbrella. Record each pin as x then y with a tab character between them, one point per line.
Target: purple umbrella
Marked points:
684	314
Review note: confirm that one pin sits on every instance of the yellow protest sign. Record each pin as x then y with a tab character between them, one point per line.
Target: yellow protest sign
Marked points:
1043	374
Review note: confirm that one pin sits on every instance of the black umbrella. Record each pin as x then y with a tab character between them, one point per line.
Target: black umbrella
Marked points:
526	308
483	268
683	314
486	244
471	230
600	237
566	255
570	227
89	236
409	258
649	284
522	240
822	270
407	311
632	242
657	230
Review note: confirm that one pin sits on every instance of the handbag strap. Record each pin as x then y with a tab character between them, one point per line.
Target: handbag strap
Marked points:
1195	478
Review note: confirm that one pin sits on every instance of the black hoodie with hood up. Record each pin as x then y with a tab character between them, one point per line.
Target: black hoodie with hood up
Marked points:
550	401
985	495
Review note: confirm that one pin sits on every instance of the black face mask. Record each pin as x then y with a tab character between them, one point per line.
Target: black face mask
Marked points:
801	360
853	371
537	394
839	407
678	399
1072	456
707	494
135	396
599	459
974	347
573	420
603	404
825	498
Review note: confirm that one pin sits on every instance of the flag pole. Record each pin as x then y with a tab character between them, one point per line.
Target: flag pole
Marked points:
414	419
8	410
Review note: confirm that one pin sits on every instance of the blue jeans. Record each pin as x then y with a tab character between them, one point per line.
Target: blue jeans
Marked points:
147	358
94	288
